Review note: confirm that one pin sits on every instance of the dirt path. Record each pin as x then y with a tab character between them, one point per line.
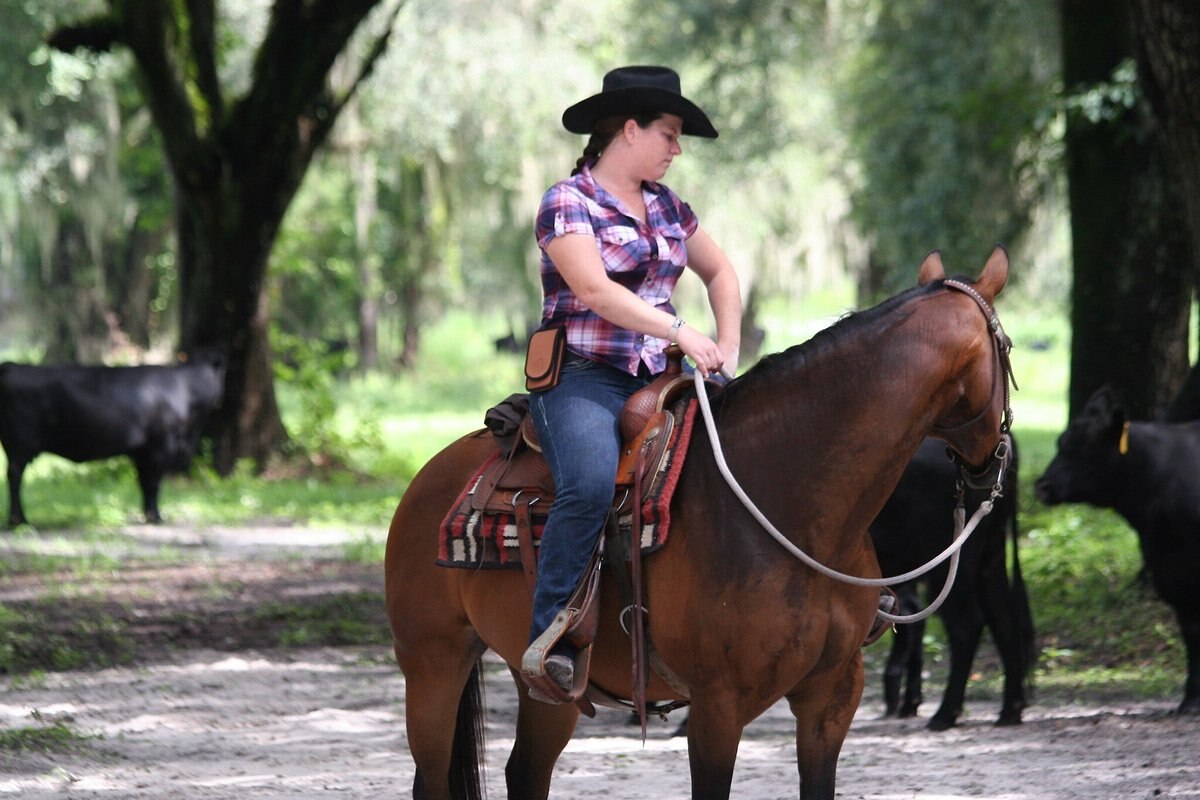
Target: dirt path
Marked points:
230	722
330	723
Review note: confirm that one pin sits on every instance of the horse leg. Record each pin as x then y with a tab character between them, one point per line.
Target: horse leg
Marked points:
543	730
823	712
442	709
713	733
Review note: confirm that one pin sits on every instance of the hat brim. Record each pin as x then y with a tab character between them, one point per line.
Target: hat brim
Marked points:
582	117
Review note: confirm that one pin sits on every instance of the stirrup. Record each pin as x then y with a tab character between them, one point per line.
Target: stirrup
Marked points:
888	603
577	622
533	663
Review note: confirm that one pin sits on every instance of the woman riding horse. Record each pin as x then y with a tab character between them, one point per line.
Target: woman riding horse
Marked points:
817	436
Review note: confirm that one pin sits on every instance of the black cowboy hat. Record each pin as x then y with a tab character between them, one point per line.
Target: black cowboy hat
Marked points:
632	90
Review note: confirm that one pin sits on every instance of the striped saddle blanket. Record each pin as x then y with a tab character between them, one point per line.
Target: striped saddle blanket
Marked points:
476	538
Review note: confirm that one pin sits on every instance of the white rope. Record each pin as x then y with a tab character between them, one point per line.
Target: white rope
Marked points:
952	552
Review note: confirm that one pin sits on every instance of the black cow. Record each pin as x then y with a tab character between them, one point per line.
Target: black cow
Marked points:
1149	472
915	525
153	414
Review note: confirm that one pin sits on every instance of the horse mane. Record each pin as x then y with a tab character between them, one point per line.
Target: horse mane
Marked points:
772	366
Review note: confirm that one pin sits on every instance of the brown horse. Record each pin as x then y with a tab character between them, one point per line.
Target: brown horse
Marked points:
818	436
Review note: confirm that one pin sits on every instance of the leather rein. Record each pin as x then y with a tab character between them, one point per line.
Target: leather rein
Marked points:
992	474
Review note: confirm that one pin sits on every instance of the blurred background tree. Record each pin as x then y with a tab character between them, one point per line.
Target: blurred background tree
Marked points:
237	151
215	172
1133	287
1168	33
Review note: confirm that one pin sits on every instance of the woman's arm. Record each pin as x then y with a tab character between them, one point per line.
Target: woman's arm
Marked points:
579	263
708	260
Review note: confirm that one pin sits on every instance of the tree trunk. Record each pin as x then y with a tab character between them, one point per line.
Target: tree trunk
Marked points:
364	170
224	305
265	146
236	163
132	283
72	300
1168	34
1131	297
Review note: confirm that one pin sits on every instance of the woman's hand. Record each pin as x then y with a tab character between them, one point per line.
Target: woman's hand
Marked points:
730	366
703	351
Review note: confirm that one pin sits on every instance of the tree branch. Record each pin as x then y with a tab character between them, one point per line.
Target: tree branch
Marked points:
202	40
98	35
378	48
292	65
144	30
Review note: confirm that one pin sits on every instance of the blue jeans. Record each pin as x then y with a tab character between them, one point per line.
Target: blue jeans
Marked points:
577	425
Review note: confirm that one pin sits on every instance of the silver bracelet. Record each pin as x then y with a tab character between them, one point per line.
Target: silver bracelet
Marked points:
675	326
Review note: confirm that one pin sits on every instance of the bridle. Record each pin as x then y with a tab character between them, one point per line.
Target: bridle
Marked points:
993	472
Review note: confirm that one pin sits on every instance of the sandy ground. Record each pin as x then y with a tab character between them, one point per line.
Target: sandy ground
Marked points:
329	722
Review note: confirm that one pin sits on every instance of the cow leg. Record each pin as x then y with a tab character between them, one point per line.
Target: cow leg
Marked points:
995	598
16	469
964	627
913	691
905	660
1189	626
150	477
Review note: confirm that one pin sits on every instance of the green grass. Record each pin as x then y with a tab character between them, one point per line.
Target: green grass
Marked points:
56	737
26	644
344	619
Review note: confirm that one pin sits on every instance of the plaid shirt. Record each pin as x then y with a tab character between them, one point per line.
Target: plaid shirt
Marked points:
645	257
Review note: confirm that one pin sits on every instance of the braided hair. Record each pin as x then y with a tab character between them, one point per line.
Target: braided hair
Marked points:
605	130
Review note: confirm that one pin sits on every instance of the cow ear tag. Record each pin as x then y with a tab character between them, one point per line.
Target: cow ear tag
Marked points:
1123	445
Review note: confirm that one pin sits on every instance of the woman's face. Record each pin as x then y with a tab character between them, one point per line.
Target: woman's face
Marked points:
658	145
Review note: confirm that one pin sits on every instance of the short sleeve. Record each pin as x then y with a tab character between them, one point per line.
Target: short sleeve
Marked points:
681	213
563	210
688	220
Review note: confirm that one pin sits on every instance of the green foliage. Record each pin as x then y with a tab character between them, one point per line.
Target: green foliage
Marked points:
314	268
752	63
85	197
311	369
950	105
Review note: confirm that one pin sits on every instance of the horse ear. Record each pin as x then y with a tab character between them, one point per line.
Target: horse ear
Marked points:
931	268
995	273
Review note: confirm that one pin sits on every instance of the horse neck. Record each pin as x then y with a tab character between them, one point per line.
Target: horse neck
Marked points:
840	421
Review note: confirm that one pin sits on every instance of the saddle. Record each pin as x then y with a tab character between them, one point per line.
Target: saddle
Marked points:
523	482
523	486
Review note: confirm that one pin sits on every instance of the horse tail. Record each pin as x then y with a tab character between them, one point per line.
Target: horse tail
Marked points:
467	751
